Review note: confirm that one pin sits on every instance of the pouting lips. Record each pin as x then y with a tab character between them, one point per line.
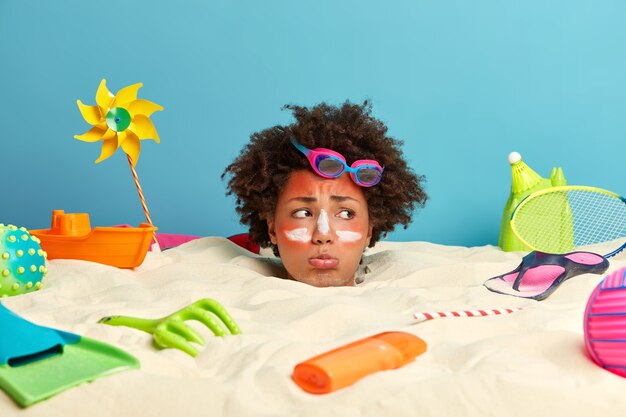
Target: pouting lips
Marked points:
323	261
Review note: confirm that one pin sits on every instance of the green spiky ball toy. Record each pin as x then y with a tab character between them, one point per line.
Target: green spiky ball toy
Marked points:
22	261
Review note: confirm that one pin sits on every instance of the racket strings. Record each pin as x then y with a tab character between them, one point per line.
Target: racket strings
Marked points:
598	217
563	220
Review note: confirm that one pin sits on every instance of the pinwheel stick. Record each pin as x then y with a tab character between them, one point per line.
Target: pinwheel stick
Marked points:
143	200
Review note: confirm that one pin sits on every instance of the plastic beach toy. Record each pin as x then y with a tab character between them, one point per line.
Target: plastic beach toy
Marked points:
524	181
38	362
605	323
347	364
71	237
121	120
22	261
171	331
561	219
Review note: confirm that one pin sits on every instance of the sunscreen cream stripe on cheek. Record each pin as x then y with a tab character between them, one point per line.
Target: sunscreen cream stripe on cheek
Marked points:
348	236
298	235
322	222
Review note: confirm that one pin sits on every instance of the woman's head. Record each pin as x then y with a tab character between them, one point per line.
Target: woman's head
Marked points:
320	226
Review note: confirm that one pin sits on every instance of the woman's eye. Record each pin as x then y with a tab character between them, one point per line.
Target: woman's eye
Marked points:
301	214
346	214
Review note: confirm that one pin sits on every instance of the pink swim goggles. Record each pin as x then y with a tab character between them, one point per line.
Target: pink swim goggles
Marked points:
330	164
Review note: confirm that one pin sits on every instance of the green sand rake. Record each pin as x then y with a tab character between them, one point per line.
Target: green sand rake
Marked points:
172	331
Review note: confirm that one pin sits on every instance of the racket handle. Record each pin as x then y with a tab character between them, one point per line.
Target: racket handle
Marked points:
347	364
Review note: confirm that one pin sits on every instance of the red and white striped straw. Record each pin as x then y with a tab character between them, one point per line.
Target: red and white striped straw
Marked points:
464	313
143	199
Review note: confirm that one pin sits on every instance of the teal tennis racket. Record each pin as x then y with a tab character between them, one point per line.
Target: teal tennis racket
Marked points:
562	219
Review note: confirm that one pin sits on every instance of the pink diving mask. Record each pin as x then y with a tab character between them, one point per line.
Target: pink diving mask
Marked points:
330	164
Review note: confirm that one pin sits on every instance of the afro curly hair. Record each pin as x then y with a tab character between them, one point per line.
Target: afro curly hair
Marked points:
264	165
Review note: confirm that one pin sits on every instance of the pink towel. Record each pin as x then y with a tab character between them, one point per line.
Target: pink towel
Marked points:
171	240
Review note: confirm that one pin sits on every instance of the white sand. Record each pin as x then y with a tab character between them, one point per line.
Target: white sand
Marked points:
529	363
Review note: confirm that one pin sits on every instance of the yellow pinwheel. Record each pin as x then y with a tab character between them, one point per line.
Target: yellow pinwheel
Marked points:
119	120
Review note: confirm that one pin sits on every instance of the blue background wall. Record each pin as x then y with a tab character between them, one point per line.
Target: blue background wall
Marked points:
462	82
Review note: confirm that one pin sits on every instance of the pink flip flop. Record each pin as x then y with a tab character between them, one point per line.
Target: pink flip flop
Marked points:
541	273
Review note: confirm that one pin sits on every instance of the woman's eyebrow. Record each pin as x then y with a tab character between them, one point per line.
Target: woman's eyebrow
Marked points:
336	198
342	198
303	199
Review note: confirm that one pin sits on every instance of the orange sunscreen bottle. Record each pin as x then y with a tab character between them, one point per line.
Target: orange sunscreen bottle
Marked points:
347	364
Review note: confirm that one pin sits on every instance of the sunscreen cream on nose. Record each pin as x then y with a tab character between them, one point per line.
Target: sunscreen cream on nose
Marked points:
322	222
